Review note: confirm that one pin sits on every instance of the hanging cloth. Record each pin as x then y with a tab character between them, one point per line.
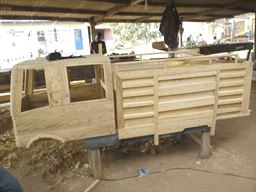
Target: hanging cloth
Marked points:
169	26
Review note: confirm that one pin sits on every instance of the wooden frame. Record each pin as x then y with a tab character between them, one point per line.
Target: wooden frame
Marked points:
152	97
163	96
61	119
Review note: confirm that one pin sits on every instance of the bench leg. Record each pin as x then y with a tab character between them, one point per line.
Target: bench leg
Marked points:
205	144
94	162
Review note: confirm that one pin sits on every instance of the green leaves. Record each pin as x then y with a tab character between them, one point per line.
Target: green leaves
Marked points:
133	32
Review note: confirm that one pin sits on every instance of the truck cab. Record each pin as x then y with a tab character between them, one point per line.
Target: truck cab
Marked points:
64	100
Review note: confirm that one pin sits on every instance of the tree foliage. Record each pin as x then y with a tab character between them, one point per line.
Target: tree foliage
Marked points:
136	32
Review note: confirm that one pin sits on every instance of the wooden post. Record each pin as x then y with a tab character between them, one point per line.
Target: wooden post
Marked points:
93	30
205	144
255	39
29	82
181	33
94	162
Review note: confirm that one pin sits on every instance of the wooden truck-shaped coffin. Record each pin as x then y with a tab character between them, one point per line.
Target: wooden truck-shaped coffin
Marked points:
126	99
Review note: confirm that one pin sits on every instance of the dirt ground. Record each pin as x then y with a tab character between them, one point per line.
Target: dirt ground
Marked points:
52	166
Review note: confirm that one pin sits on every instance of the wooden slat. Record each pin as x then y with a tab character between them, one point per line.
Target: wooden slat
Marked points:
186	111
189	75
139	121
228	110
4	97
138	83
136	131
231	92
186	103
188	88
138	104
231	82
216	97
229	101
179	82
232	115
183	123
156	110
192	115
138	115
186	96
119	102
4	88
232	74
137	93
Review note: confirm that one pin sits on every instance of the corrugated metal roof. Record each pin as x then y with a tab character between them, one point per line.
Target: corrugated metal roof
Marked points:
121	10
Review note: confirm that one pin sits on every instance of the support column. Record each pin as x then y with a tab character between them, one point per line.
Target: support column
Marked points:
181	33
94	162
93	30
30	75
255	39
205	144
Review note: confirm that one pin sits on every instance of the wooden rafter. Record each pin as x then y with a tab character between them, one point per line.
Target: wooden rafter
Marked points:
49	9
119	12
42	18
116	9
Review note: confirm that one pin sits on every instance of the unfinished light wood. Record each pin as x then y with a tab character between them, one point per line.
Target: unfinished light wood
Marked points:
205	145
152	97
184	96
94	162
62	119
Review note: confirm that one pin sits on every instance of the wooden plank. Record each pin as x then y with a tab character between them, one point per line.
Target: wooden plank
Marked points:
138	92
57	85
156	111
233	115
139	121
182	76
4	88
138	104
229	101
232	74
16	90
185	81
228	110
179	125
194	113
188	88
215	107
94	162
247	86
231	82
59	122
119	103
231	92
186	96
29	85
136	131
186	103
4	97
138	115
205	145
138	83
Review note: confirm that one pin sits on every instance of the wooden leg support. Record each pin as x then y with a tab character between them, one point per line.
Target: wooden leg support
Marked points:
94	162
205	145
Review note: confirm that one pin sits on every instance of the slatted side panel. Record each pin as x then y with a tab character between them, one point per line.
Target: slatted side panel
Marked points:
186	100
137	107
165	104
231	92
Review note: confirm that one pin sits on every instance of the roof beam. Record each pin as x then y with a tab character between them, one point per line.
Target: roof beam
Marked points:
184	5
227	6
42	18
116	9
8	7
